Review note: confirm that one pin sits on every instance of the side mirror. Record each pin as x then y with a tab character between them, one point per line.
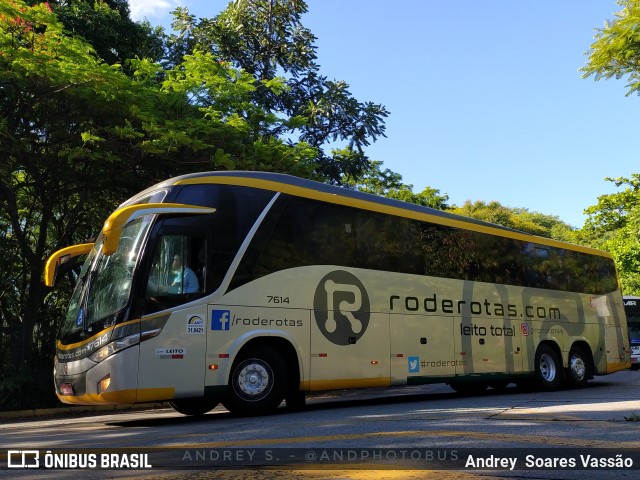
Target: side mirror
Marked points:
57	259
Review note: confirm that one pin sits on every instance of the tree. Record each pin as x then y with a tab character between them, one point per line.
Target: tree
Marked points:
51	85
389	184
79	134
517	218
616	51
105	24
614	222
613	225
266	38
77	137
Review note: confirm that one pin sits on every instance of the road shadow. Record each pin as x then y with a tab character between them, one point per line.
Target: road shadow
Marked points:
352	399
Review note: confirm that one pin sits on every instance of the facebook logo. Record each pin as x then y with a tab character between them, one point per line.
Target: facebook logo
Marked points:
220	319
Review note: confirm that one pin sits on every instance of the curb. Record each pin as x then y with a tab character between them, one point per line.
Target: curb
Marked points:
41	412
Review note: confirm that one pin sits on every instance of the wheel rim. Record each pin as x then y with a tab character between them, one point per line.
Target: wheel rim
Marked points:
547	368
578	368
253	380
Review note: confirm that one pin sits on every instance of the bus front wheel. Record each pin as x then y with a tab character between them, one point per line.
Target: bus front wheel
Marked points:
258	382
548	368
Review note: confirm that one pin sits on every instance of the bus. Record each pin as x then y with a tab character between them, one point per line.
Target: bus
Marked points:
297	286
632	309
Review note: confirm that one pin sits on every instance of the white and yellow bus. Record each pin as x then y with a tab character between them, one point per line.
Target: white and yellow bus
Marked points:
249	288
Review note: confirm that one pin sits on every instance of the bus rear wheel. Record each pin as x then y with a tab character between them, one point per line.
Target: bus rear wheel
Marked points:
194	406
258	382
579	367
548	368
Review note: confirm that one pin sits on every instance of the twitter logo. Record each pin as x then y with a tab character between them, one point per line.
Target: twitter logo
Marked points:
414	364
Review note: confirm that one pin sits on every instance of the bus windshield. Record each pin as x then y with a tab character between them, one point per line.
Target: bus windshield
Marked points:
104	284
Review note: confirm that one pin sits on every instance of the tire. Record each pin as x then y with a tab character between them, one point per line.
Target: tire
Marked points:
194	406
469	388
549	370
258	382
580	369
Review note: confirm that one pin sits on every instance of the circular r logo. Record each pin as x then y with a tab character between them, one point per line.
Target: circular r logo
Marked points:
341	307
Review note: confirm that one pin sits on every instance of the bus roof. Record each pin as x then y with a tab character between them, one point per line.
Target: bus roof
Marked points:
301	187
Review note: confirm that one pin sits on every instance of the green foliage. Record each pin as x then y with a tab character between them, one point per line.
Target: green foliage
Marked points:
266	39
263	36
613	211
389	184
613	225
78	135
106	26
616	51
58	103
517	218
202	109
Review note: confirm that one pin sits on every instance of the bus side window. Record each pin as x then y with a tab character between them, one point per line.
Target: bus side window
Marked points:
178	267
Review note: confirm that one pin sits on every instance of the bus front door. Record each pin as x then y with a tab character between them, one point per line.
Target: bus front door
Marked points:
172	364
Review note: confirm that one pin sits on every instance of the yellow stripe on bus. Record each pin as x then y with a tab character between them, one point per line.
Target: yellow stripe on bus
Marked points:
121	397
616	367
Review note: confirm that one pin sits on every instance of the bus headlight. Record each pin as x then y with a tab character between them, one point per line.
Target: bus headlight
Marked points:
115	346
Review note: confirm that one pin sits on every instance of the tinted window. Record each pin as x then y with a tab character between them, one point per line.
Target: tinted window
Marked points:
308	233
384	242
237	209
301	232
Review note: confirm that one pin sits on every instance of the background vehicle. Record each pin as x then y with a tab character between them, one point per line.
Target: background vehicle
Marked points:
632	309
304	287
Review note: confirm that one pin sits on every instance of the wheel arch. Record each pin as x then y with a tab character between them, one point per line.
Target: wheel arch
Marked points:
556	348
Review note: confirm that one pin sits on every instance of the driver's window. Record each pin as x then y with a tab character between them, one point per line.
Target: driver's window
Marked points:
178	267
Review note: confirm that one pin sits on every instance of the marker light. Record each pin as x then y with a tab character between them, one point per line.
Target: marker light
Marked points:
104	384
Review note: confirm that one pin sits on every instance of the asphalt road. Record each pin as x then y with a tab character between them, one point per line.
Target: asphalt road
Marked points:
410	432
